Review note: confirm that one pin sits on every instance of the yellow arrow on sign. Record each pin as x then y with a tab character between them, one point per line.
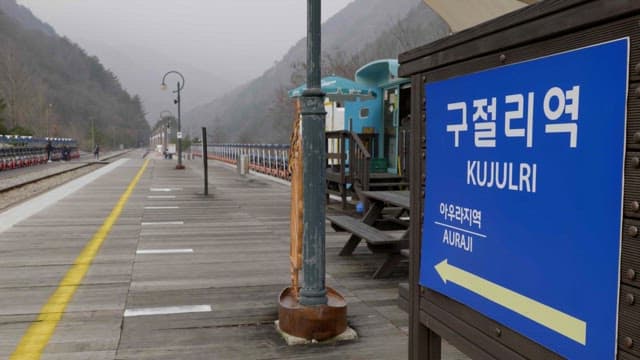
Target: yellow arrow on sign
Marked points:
566	325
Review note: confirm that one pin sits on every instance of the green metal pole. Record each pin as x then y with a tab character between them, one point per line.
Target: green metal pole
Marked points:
313	291
177	101
179	132
205	161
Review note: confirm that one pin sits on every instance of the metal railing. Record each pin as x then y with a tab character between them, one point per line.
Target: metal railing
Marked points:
360	161
348	158
269	159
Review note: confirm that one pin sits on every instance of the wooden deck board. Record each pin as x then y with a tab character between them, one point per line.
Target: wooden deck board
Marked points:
239	267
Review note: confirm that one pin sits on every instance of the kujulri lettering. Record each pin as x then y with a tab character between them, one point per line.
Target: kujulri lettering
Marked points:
502	175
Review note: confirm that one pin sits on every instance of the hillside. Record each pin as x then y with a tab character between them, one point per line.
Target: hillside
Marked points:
50	85
254	112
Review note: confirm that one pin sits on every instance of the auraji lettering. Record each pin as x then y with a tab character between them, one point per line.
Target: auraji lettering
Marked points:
456	239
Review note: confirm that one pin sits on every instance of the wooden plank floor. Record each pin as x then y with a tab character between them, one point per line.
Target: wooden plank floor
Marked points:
240	264
36	253
240	241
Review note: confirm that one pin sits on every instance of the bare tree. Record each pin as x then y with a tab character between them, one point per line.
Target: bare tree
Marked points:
219	134
340	63
298	73
3	106
15	83
403	35
26	96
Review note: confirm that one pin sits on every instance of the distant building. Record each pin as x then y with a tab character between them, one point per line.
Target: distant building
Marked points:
160	140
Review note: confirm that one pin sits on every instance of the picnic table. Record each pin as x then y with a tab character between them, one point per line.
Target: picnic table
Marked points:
395	198
378	241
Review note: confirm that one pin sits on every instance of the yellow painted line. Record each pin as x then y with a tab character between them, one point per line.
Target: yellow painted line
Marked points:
38	334
564	324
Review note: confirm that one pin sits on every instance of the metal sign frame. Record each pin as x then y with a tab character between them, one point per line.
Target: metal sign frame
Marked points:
543	29
514	156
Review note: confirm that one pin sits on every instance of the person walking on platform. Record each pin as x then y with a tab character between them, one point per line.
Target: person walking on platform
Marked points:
65	153
49	148
96	152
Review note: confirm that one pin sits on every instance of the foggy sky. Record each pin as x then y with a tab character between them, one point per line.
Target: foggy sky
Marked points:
235	40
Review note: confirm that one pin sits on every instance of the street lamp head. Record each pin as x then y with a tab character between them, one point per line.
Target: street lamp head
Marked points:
165	114
163	86
180	84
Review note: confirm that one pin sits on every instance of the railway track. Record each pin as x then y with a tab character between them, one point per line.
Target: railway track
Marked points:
37	181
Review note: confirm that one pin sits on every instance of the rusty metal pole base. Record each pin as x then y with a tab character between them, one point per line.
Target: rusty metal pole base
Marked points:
179	167
320	323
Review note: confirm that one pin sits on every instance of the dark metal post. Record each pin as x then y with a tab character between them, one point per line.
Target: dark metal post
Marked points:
313	291
179	132
205	160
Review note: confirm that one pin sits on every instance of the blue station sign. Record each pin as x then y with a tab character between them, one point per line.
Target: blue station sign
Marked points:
523	200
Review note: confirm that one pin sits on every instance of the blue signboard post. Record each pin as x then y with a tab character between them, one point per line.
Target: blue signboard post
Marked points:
523	200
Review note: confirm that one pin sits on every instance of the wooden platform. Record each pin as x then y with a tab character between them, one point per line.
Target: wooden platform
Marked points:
240	241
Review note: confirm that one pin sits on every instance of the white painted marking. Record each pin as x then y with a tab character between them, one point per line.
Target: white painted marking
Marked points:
31	207
164	251
161	207
459	229
167	310
161	197
162	223
165	189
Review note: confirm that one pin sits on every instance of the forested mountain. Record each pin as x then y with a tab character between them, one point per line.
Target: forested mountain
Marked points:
24	17
50	85
364	31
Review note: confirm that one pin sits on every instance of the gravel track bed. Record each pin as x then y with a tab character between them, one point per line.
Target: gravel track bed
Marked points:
17	195
17	177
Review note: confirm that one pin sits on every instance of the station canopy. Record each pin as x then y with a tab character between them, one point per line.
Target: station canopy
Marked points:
338	88
463	14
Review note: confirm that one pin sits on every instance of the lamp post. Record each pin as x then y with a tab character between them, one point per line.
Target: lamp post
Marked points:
179	88
313	291
319	313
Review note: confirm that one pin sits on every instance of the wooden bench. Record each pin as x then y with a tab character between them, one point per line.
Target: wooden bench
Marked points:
403	296
377	241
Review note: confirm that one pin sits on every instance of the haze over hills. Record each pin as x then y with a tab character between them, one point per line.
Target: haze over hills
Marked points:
49	85
216	44
256	111
140	70
363	31
25	17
